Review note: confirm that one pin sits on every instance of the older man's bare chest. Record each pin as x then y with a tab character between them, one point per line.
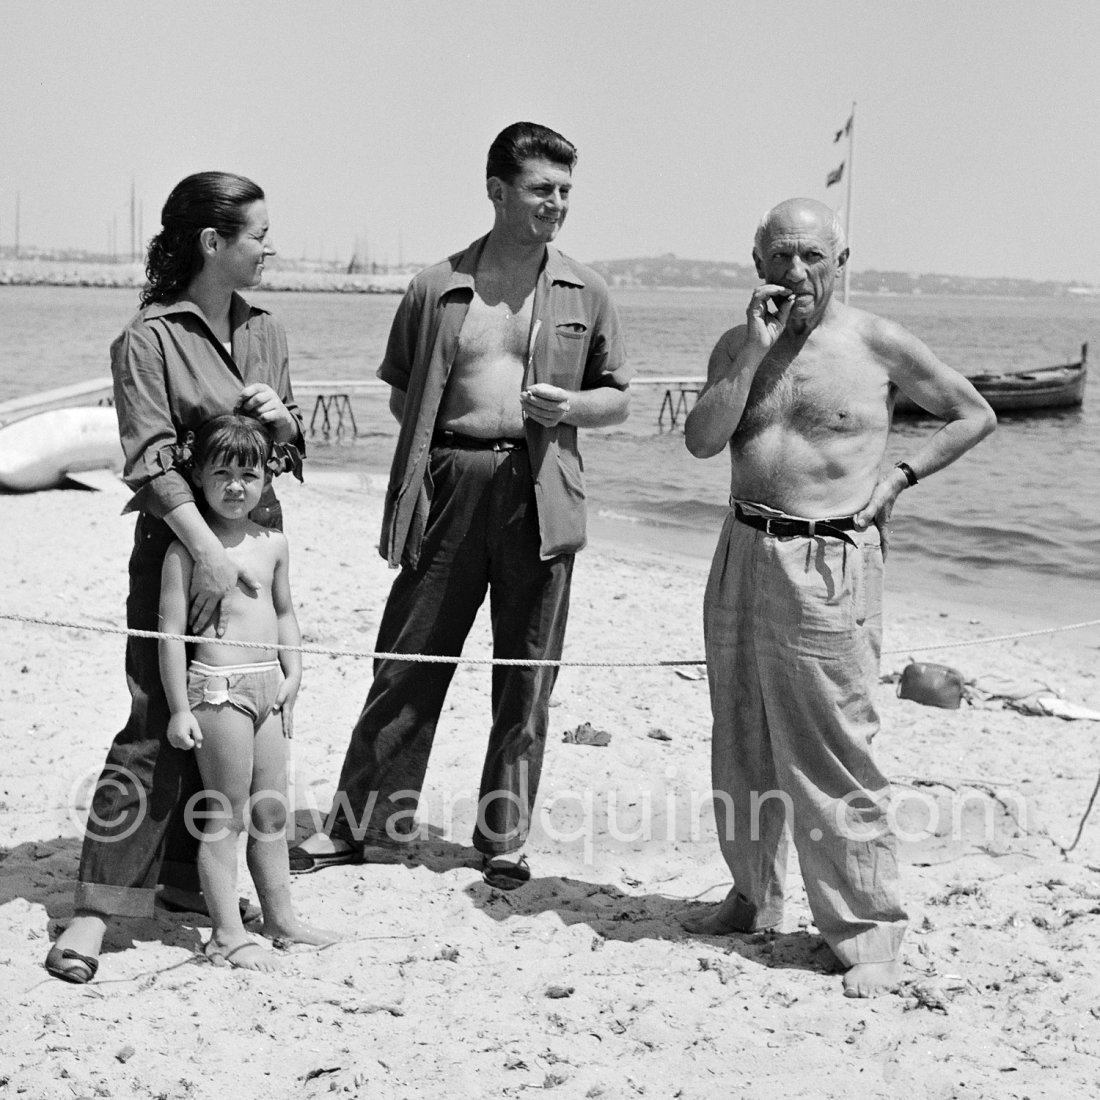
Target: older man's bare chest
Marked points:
819	391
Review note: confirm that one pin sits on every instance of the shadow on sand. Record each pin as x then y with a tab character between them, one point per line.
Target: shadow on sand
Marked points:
43	873
611	913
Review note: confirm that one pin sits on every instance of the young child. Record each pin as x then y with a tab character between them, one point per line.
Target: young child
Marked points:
234	705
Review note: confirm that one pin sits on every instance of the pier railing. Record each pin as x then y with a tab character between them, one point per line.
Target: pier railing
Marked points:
678	398
332	416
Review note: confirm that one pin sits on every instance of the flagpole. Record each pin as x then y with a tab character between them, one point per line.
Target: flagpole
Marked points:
848	205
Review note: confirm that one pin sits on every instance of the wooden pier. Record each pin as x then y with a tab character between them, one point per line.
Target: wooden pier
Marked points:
333	414
678	398
333	417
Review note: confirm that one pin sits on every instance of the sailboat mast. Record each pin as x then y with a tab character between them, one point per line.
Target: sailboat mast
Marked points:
848	204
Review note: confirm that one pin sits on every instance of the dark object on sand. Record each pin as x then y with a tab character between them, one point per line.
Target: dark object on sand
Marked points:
585	734
931	684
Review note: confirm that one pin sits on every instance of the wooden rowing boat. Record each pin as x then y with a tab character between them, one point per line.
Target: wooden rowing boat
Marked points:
1057	387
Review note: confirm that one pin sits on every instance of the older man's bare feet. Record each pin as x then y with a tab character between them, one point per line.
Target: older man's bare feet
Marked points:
870	979
825	958
734	914
711	923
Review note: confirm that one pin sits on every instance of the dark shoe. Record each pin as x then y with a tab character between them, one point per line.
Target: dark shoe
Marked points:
305	863
71	966
506	874
249	912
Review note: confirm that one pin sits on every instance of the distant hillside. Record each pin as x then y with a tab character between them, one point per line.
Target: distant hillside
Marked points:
72	268
671	271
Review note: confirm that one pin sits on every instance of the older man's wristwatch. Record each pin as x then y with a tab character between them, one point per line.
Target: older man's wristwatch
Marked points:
906	469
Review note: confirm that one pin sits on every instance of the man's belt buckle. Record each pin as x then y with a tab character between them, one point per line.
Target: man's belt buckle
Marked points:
781	528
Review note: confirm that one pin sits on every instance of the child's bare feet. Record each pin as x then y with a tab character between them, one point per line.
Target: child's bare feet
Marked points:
245	954
870	979
285	933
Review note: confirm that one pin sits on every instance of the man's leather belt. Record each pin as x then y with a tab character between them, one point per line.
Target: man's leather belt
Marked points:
475	443
798	528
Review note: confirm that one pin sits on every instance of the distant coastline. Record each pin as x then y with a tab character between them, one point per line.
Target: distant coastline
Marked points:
67	272
653	273
671	272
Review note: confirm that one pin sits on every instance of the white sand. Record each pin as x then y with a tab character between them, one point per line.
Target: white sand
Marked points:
582	983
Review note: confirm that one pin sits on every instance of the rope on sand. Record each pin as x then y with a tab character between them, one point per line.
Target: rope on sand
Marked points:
328	651
1084	817
441	659
995	637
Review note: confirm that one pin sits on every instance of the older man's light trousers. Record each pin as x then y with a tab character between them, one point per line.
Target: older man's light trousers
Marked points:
793	631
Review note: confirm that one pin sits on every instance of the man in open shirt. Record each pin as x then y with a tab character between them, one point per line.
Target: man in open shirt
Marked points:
496	357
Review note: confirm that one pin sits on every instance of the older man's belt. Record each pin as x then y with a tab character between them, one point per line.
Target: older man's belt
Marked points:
475	443
781	528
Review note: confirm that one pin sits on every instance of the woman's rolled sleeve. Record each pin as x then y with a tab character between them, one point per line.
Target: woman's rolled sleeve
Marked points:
145	425
280	383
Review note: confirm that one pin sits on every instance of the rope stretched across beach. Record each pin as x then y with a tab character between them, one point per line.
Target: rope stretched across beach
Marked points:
366	654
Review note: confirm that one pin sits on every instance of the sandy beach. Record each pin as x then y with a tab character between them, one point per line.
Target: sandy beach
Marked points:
582	984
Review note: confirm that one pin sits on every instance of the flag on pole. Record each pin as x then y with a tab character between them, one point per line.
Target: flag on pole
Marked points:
835	176
845	130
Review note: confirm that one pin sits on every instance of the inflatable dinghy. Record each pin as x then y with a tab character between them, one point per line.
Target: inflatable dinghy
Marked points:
42	450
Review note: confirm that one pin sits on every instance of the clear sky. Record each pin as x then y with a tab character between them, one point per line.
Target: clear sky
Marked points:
977	136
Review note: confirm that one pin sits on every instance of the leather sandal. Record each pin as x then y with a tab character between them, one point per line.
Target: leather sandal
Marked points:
506	874
71	966
305	863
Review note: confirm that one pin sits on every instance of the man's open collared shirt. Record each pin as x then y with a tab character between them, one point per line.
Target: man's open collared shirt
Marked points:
577	344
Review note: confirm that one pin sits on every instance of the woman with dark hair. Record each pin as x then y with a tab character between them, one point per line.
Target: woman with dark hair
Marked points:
195	350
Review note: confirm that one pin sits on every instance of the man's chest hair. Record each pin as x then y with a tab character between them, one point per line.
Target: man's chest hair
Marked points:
811	392
494	330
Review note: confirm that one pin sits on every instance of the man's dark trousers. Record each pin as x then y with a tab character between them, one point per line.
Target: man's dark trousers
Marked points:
482	535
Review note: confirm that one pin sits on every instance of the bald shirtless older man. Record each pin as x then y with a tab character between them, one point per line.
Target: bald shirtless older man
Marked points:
496	357
802	395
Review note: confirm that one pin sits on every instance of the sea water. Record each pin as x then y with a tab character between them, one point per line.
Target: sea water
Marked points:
1015	523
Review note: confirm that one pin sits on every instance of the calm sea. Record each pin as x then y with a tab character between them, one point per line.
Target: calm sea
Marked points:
1015	524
